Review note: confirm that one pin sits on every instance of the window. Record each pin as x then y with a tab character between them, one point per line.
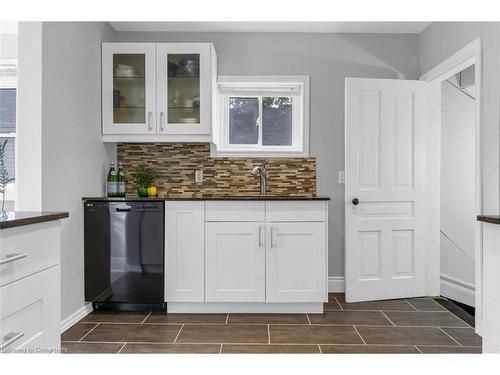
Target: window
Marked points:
262	116
8	104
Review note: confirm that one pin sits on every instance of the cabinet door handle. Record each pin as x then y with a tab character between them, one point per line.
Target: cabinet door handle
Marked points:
161	121
150	126
10	338
272	236
260	236
12	257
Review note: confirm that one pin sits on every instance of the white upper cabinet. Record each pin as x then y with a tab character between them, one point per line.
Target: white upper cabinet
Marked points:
128	88
158	92
184	95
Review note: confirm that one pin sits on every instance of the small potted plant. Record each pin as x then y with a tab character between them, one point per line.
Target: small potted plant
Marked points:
145	178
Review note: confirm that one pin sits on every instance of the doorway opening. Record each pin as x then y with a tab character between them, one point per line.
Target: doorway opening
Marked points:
457	197
460	196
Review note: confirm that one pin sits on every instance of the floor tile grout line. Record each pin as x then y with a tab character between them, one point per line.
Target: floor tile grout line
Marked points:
408	302
256	343
286	324
361	337
178	333
268	334
89	332
119	351
320	351
390	310
388	318
338	303
146	317
442	330
416	347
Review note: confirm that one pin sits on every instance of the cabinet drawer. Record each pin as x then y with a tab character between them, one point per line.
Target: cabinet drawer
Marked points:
28	249
234	211
29	313
296	211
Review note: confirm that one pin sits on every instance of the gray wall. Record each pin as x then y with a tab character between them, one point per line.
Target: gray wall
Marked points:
439	41
328	59
73	154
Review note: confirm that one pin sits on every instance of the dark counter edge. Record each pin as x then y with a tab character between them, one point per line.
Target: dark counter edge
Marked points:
491	219
36	217
215	198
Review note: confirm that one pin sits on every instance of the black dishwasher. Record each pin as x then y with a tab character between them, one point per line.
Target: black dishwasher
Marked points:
124	254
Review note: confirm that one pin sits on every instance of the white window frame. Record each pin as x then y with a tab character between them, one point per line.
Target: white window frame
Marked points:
9	83
256	86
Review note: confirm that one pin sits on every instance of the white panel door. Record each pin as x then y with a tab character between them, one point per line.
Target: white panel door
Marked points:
296	262
184	251
235	262
385	188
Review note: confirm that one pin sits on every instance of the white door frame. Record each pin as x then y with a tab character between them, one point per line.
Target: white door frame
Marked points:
467	56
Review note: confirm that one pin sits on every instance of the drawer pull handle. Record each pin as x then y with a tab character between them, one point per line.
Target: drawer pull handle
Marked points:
10	338
12	257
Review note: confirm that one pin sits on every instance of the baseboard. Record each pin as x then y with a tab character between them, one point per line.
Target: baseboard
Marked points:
76	316
457	290
244	307
336	284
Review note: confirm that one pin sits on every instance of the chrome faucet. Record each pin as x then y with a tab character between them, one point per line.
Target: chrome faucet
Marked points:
260	171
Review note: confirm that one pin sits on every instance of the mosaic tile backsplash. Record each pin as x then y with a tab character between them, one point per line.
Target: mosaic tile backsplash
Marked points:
176	164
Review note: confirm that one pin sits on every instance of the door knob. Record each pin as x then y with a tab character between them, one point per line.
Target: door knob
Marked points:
355	201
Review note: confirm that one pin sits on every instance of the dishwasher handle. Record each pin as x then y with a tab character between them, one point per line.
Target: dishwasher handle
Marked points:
123	209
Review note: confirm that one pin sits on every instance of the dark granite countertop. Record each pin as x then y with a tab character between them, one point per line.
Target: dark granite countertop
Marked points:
492	219
10	219
205	197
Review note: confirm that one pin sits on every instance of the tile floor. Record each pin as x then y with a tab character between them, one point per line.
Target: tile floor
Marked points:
418	325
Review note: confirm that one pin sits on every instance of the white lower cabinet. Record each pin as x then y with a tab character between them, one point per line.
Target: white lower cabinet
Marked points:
237	256
29	320
235	262
30	288
185	251
296	262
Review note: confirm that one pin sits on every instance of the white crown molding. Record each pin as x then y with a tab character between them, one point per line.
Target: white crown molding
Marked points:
276	27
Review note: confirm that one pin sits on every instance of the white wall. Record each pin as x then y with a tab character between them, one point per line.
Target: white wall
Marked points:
457	194
328	59
73	154
29	118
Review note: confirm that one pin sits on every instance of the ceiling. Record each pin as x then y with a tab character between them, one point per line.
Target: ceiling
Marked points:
289	27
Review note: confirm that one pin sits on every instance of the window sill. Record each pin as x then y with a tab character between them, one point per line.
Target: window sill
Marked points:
256	154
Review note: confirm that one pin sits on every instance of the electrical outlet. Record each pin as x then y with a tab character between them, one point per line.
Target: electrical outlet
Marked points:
198	177
341	177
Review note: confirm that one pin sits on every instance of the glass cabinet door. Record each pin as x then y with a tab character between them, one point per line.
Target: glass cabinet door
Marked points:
183	98
184	91
128	88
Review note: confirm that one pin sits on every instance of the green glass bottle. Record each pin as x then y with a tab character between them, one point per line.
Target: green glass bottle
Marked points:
121	181
112	186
